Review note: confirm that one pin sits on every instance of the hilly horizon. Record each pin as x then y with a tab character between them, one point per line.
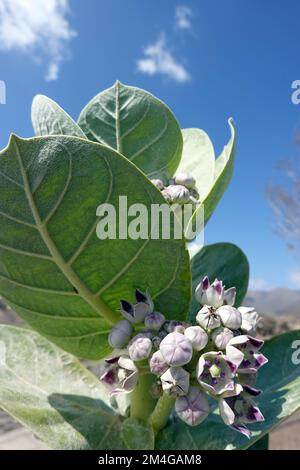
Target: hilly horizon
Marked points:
279	302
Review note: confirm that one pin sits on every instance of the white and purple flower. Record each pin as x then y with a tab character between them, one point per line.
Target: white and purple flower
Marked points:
243	351
136	313
215	373
236	411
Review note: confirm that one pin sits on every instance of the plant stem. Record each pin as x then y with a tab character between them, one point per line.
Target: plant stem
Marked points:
161	413
142	403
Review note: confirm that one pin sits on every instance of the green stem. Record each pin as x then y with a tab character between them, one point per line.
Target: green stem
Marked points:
161	413
142	403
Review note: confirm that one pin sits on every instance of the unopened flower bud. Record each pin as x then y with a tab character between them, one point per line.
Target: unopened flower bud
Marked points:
175	381
197	337
156	341
249	320
171	325
158	364
185	179
176	349
158	183
154	321
162	334
193	408
140	348
120	334
230	317
221	337
176	194
208	318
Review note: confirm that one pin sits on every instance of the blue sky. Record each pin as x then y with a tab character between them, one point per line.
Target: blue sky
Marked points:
217	58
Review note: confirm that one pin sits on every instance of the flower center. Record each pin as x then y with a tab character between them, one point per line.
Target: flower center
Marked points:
215	371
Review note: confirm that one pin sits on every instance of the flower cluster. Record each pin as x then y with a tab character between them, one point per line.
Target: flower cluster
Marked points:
179	190
218	357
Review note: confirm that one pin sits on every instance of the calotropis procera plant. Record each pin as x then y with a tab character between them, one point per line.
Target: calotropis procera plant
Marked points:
168	360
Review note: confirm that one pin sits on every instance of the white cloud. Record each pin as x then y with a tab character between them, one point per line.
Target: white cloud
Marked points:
183	16
38	27
158	59
294	277
259	284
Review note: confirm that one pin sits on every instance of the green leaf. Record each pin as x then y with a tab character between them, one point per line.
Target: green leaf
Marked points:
137	435
224	261
48	118
280	382
222	176
54	270
198	159
52	394
138	125
261	444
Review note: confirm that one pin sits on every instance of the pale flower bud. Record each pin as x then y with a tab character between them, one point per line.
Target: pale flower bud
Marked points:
140	348
120	334
175	381
186	180
158	183
176	349
249	320
208	318
230	317
197	337
192	408
171	325
221	337
176	194
154	321
158	364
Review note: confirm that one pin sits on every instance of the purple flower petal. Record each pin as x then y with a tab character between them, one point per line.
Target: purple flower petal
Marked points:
242	429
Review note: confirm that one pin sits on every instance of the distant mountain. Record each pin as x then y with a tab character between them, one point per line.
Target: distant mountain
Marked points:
277	301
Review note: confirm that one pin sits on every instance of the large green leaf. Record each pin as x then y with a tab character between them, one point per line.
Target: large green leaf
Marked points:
280	382
52	394
54	270
222	176
224	261
48	118
137	435
198	159
261	444
138	125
